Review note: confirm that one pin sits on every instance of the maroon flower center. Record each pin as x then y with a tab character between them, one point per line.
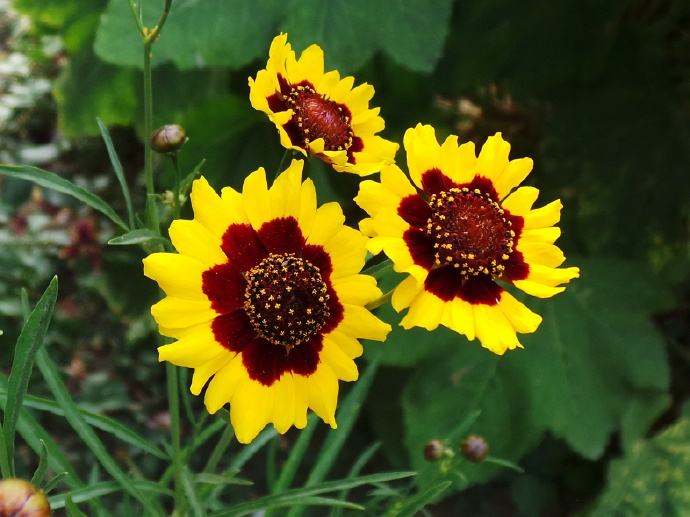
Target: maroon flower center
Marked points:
318	117
286	299
470	232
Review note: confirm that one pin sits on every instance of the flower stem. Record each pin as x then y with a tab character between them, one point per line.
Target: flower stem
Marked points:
382	300
176	187
174	408
151	206
281	164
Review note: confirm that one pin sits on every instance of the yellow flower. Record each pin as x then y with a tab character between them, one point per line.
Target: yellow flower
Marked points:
319	113
265	298
459	231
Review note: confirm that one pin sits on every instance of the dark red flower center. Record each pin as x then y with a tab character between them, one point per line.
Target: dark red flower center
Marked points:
318	117
286	299
470	232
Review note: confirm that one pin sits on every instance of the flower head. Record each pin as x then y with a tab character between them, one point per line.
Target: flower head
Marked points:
460	233
319	113
20	498
265	299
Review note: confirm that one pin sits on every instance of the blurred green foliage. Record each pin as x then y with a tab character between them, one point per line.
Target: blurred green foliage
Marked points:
597	92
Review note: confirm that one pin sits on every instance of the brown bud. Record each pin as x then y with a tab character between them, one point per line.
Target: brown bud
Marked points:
168	138
434	450
474	448
20	498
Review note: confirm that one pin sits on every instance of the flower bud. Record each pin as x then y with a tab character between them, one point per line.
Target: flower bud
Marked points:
434	450
168	138
20	498
474	448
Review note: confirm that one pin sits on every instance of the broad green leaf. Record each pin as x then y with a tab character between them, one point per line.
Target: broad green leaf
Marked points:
596	360
55	182
412	32
101	422
231	33
100	489
652	478
227	33
82	428
30	340
88	89
297	496
136	237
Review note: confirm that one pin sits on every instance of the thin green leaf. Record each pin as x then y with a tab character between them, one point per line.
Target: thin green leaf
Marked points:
206	478
117	167
504	463
297	496
82	428
250	450
101	422
219	449
416	503
100	489
53	482
29	342
289	469
6	467
40	471
135	237
186	183
356	468
192	498
348	413
59	184
72	509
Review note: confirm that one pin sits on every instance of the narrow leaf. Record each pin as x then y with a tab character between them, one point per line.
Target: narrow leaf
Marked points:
250	450
82	428
100	489
296	497
95	420
218	479
504	463
72	509
53	482
192	496
30	340
136	237
289	469
417	503
40	471
356	468
59	184
117	167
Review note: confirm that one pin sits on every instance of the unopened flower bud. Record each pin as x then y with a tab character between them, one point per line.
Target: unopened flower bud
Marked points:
434	450
168	138
20	498
474	448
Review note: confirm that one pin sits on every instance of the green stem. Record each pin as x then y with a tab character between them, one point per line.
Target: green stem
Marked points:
137	19
382	300
282	163
154	33
219	450
174	405
176	187
151	206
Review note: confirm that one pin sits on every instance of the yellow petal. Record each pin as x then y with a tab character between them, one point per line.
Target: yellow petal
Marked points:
512	176
328	220
552	276
462	318
178	275
541	253
225	382
251	409
307	206
356	289
191	238
210	210
493	158
197	347
360	323
343	366
494	331
520	202
425	311
255	198
179	312
322	388
285	193
423	151
537	289
204	372
309	66
394	180
348	344
347	249
519	316
284	407
547	215
405	292
548	235
459	163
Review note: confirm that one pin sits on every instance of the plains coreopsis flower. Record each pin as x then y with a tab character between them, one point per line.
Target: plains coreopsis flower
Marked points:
266	299
319	113
462	233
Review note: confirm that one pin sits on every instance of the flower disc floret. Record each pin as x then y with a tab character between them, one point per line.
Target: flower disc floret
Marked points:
286	299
